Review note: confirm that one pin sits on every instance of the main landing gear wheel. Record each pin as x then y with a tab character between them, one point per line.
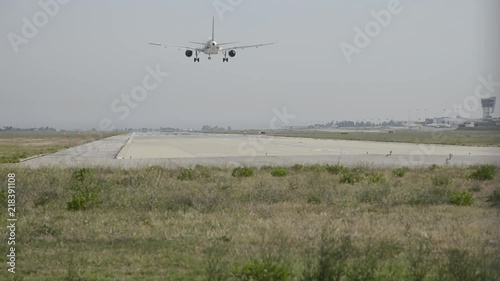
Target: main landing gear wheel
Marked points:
196	59
225	59
209	58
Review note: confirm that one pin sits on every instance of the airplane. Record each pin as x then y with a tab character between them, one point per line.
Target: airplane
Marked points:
211	47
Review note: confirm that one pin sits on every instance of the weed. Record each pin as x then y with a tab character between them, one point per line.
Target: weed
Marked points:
279	172
495	197
313	199
186	175
331	260
419	261
431	196
374	194
298	167
350	177
82	174
215	267
433	167
335	169
45	197
440	180
242	172
461	198
400	172
462	265
375	177
84	191
9	160
481	172
3	197
262	270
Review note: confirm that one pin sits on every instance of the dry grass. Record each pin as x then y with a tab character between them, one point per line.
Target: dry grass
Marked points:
153	225
448	137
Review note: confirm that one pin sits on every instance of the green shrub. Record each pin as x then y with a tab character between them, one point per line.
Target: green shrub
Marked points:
82	174
481	172
186	175
83	201
335	169
440	180
400	172
375	177
262	270
350	177
461	198
84	191
242	172
279	172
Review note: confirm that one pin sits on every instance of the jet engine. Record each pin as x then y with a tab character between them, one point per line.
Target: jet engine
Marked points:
232	53
189	53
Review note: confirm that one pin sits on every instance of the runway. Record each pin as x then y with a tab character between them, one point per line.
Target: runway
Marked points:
189	149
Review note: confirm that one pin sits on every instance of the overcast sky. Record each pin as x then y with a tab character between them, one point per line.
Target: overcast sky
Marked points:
75	68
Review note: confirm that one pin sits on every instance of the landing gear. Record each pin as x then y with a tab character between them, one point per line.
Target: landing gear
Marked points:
196	58
225	58
209	57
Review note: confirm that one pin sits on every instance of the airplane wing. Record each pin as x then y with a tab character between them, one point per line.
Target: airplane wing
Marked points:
244	47
179	47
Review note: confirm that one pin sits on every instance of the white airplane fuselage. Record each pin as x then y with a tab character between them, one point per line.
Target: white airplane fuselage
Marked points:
211	48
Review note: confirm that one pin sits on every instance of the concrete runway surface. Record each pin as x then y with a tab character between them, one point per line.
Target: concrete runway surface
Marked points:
189	149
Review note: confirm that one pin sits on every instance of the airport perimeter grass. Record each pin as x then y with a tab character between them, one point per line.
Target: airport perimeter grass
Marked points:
446	137
17	145
289	223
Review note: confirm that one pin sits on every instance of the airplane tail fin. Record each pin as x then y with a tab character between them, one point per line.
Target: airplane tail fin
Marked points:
213	28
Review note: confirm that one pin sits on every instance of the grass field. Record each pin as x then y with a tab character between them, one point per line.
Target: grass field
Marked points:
449	137
291	223
15	146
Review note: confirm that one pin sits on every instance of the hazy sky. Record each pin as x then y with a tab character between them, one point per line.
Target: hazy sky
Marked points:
89	53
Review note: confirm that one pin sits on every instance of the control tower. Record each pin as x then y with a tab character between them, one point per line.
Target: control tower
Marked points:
488	107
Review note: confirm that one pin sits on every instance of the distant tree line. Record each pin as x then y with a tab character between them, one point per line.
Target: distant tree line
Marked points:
10	128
